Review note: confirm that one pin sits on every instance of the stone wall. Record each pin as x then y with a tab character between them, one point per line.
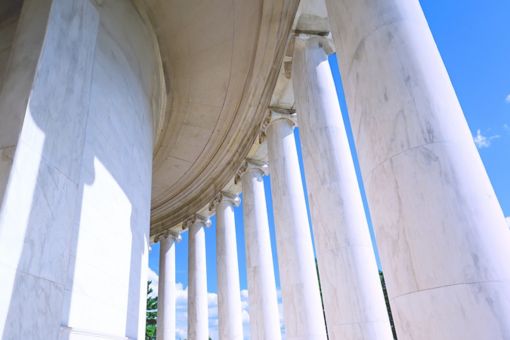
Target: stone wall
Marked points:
74	216
7	30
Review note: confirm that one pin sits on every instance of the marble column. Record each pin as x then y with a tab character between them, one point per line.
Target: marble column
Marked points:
262	298
440	229
198	323
230	318
166	288
302	307
351	289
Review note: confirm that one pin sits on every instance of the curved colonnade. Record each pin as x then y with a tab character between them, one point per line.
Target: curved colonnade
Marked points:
126	122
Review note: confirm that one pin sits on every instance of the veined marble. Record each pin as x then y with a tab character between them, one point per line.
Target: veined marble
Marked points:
441	232
299	283
351	289
230	317
264	317
83	92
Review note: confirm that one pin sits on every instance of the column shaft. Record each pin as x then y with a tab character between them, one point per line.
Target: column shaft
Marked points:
302	306
351	289
263	303
166	290
229	292
198	324
440	230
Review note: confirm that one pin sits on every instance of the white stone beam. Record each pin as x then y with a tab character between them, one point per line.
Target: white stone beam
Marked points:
302	306
262	297
440	229
229	293
198	316
352	293
166	289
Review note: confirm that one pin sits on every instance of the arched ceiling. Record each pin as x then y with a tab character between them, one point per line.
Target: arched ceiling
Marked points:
221	59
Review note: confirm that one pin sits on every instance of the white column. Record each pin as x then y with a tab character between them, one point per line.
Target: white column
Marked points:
302	308
229	292
166	288
351	289
262	298
198	323
440	230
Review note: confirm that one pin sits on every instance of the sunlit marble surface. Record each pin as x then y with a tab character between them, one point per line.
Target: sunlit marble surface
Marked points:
264	317
72	216
441	232
302	308
351	290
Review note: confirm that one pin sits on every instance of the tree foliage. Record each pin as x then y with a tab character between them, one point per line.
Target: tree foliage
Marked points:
152	314
388	307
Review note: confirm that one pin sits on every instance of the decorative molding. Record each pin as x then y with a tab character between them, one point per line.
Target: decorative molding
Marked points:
224	196
205	221
275	114
218	164
175	235
252	165
324	41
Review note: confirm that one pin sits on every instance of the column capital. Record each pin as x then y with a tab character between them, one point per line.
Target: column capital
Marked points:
277	114
309	38
199	219
224	196
175	235
252	165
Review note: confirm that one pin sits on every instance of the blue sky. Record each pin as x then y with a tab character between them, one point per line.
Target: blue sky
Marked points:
475	46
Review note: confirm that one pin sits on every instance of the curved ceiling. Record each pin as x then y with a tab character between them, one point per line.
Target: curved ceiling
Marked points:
221	60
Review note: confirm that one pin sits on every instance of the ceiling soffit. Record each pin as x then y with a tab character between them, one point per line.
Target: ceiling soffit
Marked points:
221	60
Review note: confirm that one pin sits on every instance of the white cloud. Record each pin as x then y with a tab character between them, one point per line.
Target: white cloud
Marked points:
182	309
507	98
482	141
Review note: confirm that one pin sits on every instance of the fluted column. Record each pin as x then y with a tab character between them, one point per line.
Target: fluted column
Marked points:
166	288
351	289
441	233
230	320
262	298
302	306
198	323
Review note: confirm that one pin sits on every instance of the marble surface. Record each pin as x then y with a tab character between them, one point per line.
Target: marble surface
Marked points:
116	203
230	316
7	31
17	80
72	217
351	290
167	294
221	61
440	230
42	196
198	320
302	308
263	303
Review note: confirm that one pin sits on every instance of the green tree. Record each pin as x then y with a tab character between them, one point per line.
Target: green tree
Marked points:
152	314
322	300
388	307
